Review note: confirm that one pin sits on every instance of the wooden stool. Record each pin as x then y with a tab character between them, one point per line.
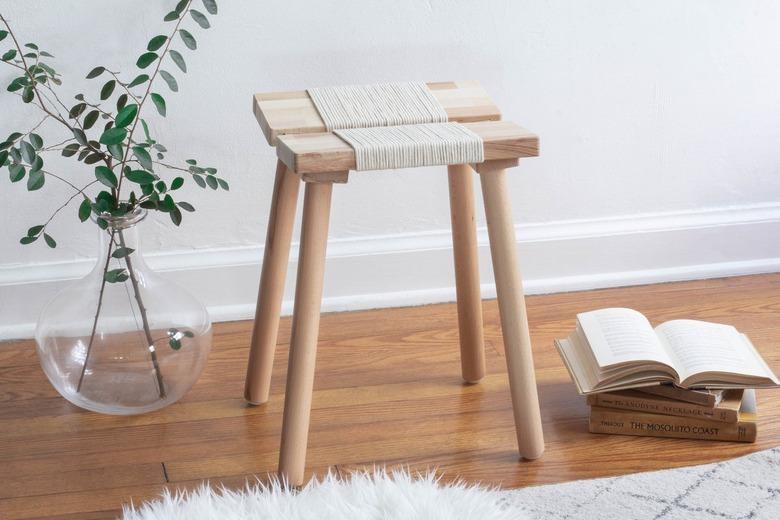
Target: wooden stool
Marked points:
308	153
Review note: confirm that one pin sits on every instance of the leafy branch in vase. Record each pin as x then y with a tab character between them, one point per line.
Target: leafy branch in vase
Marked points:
129	170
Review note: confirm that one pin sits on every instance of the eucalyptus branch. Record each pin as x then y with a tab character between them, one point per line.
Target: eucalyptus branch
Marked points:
123	85
33	81
149	90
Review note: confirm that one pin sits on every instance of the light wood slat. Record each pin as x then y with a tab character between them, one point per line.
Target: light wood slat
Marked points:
326	152
282	113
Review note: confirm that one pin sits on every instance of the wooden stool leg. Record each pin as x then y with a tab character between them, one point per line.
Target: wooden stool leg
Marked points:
305	328
269	299
514	321
464	249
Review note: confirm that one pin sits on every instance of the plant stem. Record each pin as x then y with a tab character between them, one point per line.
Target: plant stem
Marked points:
97	313
144	318
146	95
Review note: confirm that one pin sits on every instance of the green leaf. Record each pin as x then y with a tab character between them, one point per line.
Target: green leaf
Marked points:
77	110
17	172
31	46
126	116
159	102
141	78
156	42
94	73
140	177
27	240
3	158
9	55
35	230
28	94
28	152
70	150
170	80
49	240
91	119
35	180
85	209
122	252
212	182
191	162
116	151
17	84
175	344
189	39
107	89
173	15
121	102
211	6
143	157
146	129
106	176
186	206
113	136
200	18
37	141
146	59
93	158
160	187
37	164
3	34
199	181
180	6
178	59
168	204
177	183
175	216
117	275
80	136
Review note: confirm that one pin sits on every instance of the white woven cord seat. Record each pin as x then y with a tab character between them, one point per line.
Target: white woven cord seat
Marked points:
395	125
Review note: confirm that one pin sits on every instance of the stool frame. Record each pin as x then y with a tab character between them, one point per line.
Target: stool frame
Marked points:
330	164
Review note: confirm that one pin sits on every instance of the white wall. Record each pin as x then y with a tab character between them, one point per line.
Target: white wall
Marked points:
659	125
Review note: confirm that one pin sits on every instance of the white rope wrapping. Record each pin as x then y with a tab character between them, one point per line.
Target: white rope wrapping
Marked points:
405	146
395	125
386	104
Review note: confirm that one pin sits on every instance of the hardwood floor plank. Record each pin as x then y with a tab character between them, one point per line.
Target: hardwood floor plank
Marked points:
387	391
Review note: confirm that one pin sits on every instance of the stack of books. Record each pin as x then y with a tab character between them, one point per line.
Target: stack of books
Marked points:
684	378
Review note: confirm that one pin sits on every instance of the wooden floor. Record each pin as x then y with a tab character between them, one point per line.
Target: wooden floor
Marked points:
387	391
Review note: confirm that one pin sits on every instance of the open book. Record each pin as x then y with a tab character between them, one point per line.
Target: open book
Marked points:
613	349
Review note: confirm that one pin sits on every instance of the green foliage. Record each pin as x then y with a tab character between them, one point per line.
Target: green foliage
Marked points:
178	59
170	80
117	275
159	102
94	73
103	130
126	116
156	42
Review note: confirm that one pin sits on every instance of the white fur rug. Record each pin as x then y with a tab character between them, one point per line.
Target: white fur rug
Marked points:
743	488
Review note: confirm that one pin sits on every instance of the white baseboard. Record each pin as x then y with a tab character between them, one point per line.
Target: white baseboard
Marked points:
416	268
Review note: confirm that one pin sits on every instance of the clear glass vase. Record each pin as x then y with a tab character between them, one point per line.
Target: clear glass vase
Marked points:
123	340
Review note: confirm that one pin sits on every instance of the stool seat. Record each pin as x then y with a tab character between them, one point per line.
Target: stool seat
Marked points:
282	113
325	152
311	155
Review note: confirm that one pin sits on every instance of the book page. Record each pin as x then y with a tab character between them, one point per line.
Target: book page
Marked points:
699	346
619	335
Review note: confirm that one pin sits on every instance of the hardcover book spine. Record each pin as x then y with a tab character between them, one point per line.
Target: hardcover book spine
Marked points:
605	420
664	407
